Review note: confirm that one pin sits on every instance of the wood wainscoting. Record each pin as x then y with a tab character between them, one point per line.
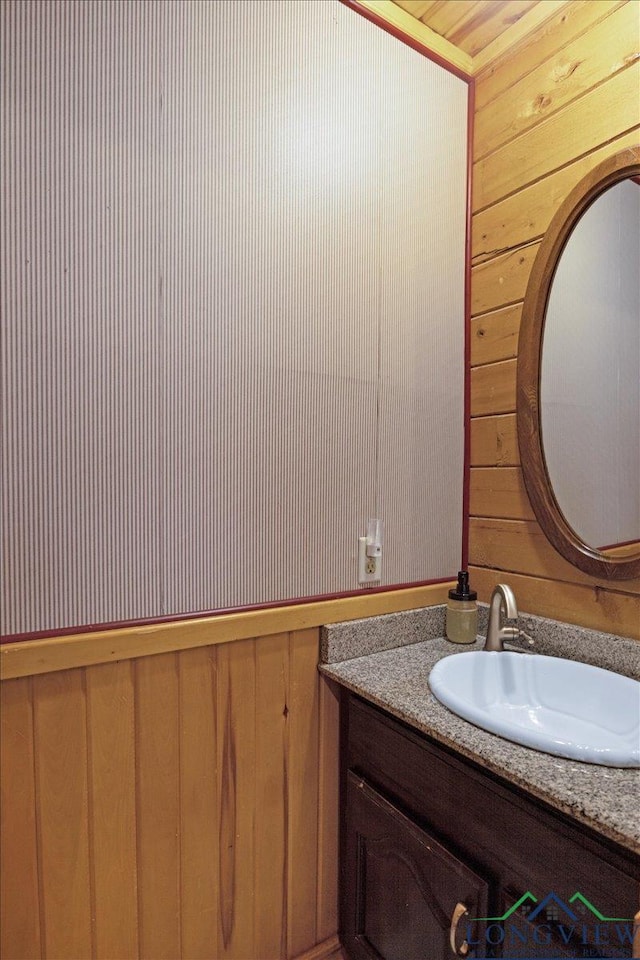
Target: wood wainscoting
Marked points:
547	111
171	790
182	804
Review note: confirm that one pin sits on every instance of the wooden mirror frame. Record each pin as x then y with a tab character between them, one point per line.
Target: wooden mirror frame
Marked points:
621	166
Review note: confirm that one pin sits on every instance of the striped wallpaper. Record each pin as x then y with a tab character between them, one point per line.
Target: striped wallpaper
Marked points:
232	306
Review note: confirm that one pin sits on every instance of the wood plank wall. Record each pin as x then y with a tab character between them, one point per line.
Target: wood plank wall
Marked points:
547	112
177	805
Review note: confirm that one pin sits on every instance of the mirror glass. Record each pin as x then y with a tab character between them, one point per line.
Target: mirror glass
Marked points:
590	374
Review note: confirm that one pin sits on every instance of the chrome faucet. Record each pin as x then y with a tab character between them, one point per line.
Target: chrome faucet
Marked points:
502	598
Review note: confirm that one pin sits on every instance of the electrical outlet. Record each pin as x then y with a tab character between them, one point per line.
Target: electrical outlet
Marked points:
369	568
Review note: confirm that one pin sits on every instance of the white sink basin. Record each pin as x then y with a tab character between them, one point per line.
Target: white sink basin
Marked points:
558	706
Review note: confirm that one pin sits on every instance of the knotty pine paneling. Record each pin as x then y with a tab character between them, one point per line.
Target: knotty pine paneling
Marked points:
493	388
572	20
525	216
502	280
498	492
612	45
181	805
584	604
529	551
547	112
303	775
582	127
271	807
495	336
199	836
494	441
236	713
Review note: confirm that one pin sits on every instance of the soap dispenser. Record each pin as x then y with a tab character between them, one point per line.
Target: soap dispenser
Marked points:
462	611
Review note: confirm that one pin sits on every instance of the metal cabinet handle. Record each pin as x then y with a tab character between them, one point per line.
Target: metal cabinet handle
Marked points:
459	912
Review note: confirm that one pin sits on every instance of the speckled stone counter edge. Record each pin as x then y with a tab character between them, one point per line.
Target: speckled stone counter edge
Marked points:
358	638
603	798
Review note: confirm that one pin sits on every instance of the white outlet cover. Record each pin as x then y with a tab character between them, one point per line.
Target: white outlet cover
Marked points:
366	563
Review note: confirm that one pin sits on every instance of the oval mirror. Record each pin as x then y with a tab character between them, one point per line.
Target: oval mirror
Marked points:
578	381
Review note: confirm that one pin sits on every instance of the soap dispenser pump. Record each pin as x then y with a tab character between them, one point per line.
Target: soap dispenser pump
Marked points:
462	611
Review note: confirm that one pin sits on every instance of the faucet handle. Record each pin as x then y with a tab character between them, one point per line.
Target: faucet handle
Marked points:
516	635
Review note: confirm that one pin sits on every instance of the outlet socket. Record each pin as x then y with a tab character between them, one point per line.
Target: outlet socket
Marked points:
369	568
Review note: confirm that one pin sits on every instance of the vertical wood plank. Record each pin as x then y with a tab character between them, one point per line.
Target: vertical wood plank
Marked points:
62	803
272	727
302	851
158	806
198	803
237	791
112	781
328	812
19	906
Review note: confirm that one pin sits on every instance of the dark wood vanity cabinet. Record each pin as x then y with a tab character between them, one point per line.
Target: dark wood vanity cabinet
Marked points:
434	848
405	886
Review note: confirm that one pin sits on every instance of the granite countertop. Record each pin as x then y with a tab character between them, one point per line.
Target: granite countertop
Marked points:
604	798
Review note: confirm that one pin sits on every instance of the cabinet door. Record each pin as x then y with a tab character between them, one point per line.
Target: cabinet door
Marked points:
403	891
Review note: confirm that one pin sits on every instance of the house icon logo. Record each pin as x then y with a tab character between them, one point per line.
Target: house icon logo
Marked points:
552	908
551	927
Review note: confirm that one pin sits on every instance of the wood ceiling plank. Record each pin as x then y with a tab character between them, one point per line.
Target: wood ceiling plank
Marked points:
448	16
517	35
417	8
398	18
489	24
485	30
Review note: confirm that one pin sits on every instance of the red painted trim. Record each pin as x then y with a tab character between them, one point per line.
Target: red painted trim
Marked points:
206	614
409	41
623	543
467	329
